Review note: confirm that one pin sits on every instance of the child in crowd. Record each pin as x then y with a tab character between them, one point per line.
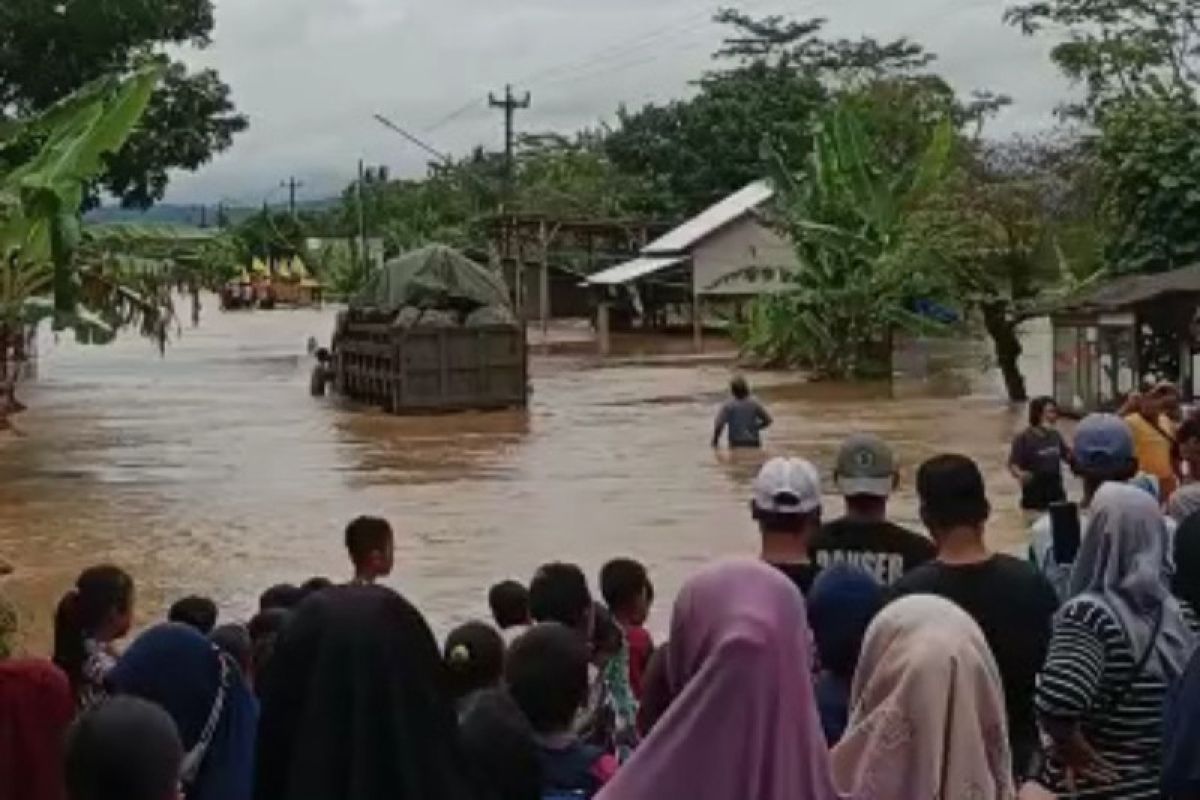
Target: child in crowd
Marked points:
123	749
509	602
264	629
370	544
280	596
628	592
843	601
610	721
198	612
233	639
559	593
314	585
547	675
89	618
474	656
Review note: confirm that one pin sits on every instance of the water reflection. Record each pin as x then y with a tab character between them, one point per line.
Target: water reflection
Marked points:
211	470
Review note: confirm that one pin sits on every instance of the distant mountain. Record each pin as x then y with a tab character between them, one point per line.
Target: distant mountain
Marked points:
180	214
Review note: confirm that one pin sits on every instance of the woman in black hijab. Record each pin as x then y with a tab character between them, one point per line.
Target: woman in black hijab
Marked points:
355	705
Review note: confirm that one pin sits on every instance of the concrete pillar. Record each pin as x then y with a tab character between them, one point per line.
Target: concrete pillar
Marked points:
603	342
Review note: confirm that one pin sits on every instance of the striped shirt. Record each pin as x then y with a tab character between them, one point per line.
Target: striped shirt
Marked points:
1087	679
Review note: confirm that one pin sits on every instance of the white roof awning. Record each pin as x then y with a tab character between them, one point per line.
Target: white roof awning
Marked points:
712	219
632	270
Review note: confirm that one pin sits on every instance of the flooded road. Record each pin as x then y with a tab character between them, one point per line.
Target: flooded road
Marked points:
210	470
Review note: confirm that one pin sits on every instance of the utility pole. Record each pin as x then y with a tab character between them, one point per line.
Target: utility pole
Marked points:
203	216
510	105
291	184
362	219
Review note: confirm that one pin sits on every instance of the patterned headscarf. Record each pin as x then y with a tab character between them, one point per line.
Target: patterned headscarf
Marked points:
927	718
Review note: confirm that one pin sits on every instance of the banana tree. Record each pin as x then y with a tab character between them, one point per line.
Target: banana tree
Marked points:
850	218
40	228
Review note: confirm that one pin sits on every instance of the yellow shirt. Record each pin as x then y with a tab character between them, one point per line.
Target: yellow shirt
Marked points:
1153	449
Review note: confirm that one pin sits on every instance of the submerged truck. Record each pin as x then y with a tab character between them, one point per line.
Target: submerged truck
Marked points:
432	331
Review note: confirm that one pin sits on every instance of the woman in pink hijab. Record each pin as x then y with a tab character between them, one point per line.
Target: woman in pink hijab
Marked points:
927	718
742	723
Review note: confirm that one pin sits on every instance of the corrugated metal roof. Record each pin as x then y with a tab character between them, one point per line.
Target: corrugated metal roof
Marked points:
632	270
1131	290
711	219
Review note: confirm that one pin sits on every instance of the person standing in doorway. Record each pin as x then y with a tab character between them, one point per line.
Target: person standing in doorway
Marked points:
1036	459
866	474
743	416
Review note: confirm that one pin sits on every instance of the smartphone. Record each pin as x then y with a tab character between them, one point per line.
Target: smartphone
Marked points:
1064	526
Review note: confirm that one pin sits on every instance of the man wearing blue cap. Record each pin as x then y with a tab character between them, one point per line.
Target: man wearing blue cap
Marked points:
1104	452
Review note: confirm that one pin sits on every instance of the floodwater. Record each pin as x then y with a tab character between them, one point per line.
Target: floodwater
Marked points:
210	469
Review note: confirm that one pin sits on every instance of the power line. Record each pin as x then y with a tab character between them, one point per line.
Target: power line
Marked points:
440	156
473	103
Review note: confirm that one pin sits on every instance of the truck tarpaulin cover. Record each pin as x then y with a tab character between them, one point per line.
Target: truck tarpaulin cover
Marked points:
434	277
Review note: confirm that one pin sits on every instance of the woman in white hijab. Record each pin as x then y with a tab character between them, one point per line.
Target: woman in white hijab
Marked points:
927	710
1118	644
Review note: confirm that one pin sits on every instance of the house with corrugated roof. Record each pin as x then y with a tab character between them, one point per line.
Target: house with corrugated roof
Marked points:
724	254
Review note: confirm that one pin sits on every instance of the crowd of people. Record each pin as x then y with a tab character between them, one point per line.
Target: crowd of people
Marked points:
853	658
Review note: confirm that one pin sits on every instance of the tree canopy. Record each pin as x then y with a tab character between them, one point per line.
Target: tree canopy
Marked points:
48	50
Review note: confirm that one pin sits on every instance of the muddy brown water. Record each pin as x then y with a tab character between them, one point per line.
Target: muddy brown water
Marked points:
210	469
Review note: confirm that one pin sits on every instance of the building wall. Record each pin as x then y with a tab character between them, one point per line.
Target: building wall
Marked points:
734	248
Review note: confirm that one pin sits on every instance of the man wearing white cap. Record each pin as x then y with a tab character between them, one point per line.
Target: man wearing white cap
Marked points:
787	508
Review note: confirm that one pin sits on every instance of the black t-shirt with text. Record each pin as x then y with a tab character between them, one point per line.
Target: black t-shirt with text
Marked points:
881	548
1014	605
802	575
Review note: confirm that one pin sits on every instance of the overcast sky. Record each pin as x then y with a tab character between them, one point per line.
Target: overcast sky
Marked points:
310	73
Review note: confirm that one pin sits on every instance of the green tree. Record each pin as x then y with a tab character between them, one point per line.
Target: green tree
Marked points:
1119	50
773	77
862	259
1139	64
48	50
1149	149
40	232
1015	225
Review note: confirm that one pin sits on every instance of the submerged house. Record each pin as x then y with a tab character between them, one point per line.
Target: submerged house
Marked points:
1111	339
723	256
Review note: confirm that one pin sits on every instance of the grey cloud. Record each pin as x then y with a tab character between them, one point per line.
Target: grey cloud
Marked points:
310	73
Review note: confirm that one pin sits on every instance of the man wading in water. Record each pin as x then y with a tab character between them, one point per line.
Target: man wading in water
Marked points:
743	415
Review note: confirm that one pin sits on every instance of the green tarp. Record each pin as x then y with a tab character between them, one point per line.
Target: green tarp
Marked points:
434	277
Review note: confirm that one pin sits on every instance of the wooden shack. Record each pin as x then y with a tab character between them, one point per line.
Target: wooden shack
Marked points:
1113	338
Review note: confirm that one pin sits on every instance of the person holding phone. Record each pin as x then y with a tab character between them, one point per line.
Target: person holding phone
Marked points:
1104	453
1118	646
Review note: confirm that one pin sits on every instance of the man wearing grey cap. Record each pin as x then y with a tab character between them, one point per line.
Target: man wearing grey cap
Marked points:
866	474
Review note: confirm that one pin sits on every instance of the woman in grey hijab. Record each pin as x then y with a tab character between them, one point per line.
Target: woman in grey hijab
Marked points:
1118	644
